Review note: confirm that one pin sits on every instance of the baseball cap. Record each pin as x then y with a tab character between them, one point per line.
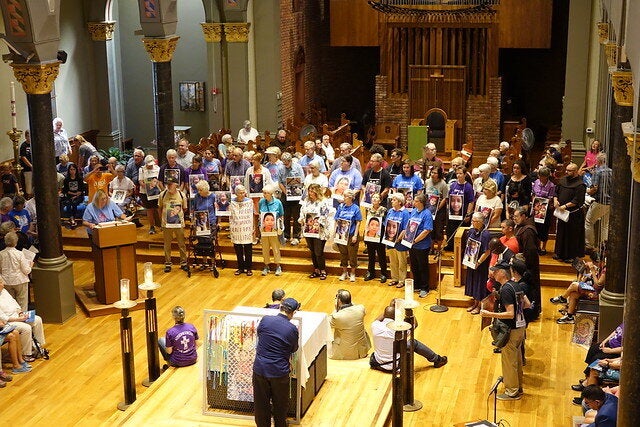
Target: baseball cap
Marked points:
501	266
290	304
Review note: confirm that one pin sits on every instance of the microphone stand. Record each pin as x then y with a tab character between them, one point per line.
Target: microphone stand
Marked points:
438	308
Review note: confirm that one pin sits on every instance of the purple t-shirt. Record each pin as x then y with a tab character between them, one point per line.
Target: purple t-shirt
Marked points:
182	338
616	339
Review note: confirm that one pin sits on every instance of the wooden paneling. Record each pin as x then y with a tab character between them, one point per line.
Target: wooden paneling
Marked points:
525	24
353	23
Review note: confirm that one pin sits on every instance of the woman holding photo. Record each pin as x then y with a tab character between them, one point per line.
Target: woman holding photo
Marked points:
421	244
250	183
349	211
489	199
241	230
475	285
395	223
273	209
147	173
375	249
460	187
518	188
543	187
408	179
317	206
436	185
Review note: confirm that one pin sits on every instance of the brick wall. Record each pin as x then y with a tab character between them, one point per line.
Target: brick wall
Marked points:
392	109
483	119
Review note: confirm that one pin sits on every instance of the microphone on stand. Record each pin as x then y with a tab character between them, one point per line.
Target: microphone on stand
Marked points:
495	386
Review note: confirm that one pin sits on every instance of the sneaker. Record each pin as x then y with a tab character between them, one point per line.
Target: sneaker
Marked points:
383	278
343	276
567	318
5	377
497	350
442	360
265	271
558	300
26	365
152	230
505	396
423	293
20	370
184	267
368	276
167	268
295	242
352	277
279	271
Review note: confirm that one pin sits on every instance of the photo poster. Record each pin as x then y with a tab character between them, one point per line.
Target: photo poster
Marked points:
408	196
539	209
432	203
193	180
202	223
373	230
234	181
119	196
584	329
341	185
342	231
311	225
294	187
256	182
369	190
268	224
172	175
151	187
471	253
486	214
391	233
223	199
410	235
172	215
214	181
456	207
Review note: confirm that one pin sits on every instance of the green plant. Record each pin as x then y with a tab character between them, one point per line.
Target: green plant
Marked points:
122	156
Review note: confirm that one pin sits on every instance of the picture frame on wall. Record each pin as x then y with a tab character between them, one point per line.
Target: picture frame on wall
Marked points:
191	96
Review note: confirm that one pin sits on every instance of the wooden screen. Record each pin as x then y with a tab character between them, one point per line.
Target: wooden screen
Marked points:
437	86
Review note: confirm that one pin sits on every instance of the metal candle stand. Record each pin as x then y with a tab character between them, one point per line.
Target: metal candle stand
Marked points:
151	321
14	136
410	404
126	346
438	308
398	370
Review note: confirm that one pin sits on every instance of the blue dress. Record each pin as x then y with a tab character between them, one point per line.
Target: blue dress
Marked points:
476	283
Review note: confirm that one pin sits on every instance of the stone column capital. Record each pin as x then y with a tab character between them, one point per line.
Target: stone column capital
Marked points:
36	79
611	49
633	150
212	31
236	32
622	82
101	31
160	49
603	32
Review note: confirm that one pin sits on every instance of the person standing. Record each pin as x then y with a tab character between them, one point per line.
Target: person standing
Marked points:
570	193
184	155
179	345
268	203
25	162
60	139
241	229
172	203
475	285
528	243
394	223
290	169
350	340
351	215
421	244
510	310
277	341
599	209
317	206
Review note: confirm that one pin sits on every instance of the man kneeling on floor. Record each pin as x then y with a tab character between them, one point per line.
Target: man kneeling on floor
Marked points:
382	357
178	347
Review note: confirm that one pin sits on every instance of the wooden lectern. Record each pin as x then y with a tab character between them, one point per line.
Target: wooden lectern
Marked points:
115	259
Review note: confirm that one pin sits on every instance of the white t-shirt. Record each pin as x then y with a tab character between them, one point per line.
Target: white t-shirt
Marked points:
121	184
246	136
383	342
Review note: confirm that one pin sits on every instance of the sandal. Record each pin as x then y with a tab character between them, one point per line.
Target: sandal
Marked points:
28	358
314	275
475	310
470	309
392	283
323	276
249	273
238	272
400	285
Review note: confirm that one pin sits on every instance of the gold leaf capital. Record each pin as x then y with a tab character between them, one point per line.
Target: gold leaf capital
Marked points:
611	50
622	82
101	31
603	32
236	32
160	49
36	79
212	32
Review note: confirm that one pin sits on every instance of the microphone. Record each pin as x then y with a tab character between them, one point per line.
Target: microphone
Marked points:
495	386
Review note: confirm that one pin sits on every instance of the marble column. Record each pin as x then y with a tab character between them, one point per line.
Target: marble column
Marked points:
53	273
612	297
160	50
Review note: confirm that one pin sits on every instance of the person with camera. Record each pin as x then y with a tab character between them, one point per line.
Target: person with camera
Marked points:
98	178
512	302
350	340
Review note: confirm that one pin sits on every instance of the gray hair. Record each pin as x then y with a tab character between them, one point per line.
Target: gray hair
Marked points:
397	196
11	239
269	188
171	152
315	164
138	151
286	157
309	144
246	123
601	157
226	139
6	202
7	227
376	157
349	193
119	168
239	188
149	158
485	167
478	216
492	161
202	185
544	171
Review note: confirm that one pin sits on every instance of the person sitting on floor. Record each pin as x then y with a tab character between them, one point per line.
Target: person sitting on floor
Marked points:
12	338
606	404
382	356
178	346
350	340
276	298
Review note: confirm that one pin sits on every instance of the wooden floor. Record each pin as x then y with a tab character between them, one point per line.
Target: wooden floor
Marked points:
82	382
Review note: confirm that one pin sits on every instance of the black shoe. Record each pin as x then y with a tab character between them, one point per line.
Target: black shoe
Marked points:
577	387
558	300
442	360
577	401
497	350
368	276
167	268
383	278
184	267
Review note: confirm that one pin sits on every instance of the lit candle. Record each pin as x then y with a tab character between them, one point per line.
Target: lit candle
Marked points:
399	310
14	122
148	273
408	290
124	289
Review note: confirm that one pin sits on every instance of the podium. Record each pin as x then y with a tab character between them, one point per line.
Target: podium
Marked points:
114	258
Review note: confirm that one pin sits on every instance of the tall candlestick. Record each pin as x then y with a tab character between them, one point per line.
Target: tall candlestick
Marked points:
399	310
124	289
148	273
14	122
408	289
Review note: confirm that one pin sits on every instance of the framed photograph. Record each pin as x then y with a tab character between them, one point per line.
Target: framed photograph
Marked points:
342	231
268	224
432	203
294	187
369	190
539	209
410	234
311	225
256	182
193	180
118	197
373	230
223	198
471	253
215	183
456	206
584	329
486	215
202	223
391	233
191	96
172	175
152	188
173	215
342	184
234	181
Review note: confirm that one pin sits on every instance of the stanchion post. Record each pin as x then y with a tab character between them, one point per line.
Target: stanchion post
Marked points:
151	323
126	348
398	370
410	404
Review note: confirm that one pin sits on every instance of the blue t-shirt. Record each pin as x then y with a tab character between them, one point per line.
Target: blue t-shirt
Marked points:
95	216
206	204
425	222
402	217
414	182
277	340
275	205
349	213
182	340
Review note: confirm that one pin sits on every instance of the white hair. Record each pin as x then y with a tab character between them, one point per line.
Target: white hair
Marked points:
485	167
504	144
171	152
492	161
